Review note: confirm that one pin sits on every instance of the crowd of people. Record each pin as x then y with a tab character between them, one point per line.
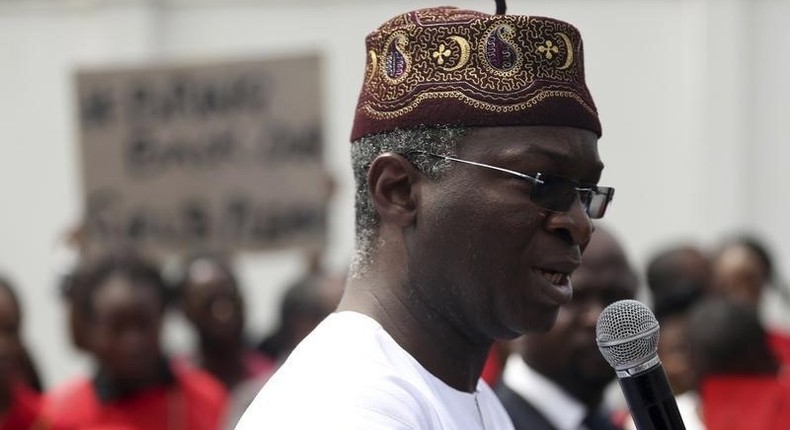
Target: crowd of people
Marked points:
117	304
474	149
722	350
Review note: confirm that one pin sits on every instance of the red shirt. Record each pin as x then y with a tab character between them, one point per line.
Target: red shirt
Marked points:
194	401
746	402
780	343
25	411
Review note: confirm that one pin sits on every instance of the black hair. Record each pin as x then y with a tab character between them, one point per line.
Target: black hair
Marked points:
728	338
182	278
678	301
760	250
88	278
29	369
8	287
674	290
302	299
757	247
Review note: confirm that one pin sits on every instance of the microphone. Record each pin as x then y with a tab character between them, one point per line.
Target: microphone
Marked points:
627	336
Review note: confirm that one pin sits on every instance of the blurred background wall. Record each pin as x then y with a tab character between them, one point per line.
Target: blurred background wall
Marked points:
692	94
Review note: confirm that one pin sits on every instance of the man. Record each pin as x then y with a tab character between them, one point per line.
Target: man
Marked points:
743	270
678	277
123	299
20	397
742	382
212	302
556	380
475	154
306	302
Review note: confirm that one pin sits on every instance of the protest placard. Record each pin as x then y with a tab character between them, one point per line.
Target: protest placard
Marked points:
221	156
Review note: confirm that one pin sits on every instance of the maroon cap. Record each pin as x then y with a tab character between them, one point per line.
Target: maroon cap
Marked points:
448	66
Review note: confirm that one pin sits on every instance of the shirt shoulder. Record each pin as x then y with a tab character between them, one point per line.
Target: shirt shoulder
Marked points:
206	399
71	404
345	374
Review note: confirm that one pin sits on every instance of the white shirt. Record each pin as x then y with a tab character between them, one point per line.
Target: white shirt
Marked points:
562	410
351	374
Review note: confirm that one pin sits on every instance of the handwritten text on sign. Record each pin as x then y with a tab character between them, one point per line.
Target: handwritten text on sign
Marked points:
223	156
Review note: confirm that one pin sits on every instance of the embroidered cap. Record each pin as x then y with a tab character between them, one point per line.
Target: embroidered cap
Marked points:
448	66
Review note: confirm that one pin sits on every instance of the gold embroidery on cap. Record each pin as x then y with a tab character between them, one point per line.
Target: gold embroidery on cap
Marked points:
464	53
396	61
505	65
498	51
373	65
568	50
440	53
549	49
479	104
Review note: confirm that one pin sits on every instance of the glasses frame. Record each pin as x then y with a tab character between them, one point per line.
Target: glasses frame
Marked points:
606	192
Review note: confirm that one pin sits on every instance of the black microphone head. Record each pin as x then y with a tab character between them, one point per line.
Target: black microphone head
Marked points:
627	334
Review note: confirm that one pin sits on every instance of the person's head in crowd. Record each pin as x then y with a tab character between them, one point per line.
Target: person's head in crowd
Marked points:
77	324
475	157
742	268
212	301
306	301
11	349
727	338
21	402
10	343
122	299
16	363
678	273
678	277
674	346
568	354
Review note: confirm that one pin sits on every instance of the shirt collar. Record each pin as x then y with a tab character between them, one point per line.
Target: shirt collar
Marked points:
107	390
556	405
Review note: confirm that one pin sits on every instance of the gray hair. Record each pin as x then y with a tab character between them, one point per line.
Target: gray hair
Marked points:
439	140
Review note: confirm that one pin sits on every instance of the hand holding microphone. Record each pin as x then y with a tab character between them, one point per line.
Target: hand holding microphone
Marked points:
627	334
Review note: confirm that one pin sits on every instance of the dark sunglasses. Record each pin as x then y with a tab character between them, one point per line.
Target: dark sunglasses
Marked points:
551	192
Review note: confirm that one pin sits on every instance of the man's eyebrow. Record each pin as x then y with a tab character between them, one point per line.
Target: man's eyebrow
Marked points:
565	157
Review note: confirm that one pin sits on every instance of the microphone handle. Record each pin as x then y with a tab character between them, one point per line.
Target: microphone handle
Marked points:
651	401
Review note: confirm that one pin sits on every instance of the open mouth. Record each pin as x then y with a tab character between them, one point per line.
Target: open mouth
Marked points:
556	278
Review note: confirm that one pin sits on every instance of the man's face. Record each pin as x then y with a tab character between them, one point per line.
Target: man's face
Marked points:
738	274
213	303
482	255
125	329
568	353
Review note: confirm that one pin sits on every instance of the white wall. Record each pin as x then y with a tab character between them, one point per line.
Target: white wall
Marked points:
691	94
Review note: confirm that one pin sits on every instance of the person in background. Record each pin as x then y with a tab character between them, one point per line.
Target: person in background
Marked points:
679	277
122	300
674	351
474	149
306	302
212	302
680	273
742	382
556	380
743	268
20	399
744	271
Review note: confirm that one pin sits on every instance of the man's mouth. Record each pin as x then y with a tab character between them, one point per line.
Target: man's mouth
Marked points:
556	278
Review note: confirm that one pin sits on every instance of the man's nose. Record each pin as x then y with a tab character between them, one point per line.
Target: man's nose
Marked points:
574	225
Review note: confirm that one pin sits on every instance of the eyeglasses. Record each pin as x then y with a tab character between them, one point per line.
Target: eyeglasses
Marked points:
550	192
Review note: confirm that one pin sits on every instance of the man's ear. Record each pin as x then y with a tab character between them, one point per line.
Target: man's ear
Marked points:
392	186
